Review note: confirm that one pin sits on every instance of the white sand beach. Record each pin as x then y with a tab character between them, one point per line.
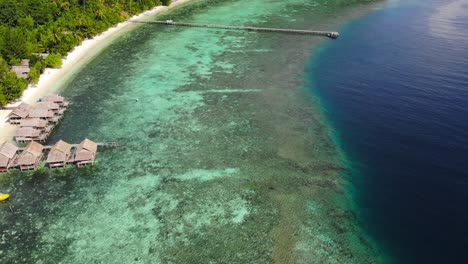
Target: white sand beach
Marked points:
51	80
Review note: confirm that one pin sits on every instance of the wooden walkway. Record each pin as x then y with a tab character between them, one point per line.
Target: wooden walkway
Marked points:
330	34
70	160
111	144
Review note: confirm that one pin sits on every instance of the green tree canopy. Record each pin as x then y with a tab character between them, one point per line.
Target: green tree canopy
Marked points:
54	60
56	27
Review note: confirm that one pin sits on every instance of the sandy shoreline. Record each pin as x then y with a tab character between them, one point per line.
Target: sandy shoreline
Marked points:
52	79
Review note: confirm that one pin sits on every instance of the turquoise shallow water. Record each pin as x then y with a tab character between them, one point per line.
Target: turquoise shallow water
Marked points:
224	157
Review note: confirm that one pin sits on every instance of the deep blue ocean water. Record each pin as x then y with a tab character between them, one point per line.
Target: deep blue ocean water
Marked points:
395	88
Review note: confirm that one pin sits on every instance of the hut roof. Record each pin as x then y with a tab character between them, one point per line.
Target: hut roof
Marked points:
59	152
30	154
7	153
24	105
34	148
86	150
21	71
47	105
4	161
40	113
24	62
33	122
53	98
89	145
28	132
8	150
20	112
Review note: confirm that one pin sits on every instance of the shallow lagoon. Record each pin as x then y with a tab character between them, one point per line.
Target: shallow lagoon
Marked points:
225	156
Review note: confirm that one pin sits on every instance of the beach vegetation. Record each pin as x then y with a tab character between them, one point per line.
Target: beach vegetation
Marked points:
53	60
29	27
34	74
13	87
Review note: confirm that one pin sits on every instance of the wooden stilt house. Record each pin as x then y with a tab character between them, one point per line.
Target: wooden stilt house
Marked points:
16	115
59	155
8	154
54	98
51	106
85	153
35	123
30	157
27	134
41	113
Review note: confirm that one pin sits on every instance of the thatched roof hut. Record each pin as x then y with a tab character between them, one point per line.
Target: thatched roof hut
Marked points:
40	113
54	98
86	152
17	114
59	154
27	132
7	155
47	105
24	105
34	123
31	156
21	71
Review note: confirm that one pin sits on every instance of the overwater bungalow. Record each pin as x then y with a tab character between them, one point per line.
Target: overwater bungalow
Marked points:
15	116
85	153
54	98
7	155
35	123
24	106
51	106
47	105
27	134
59	155
30	157
41	113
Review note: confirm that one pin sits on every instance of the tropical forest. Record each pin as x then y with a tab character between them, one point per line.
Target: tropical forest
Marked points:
41	32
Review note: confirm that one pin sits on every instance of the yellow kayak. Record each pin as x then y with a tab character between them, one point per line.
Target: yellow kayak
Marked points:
4	196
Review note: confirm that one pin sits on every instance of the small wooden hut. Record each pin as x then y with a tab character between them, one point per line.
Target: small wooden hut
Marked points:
22	70
47	105
53	107
85	153
54	98
24	106
7	155
59	155
17	114
26	134
36	123
30	157
41	113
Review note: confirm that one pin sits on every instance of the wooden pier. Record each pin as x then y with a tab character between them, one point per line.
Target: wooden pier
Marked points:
59	154
111	144
329	34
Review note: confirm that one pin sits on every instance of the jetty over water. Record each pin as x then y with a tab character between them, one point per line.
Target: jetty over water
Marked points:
55	156
111	144
330	34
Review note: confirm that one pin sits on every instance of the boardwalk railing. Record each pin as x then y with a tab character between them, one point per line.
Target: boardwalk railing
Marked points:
108	144
330	34
111	144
